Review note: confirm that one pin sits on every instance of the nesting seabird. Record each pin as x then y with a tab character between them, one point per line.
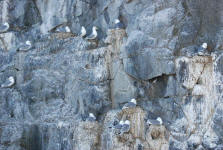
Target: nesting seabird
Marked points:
94	34
201	50
91	117
158	121
125	127
9	82
130	104
4	27
26	46
67	29
62	28
83	32
118	24
119	125
60	124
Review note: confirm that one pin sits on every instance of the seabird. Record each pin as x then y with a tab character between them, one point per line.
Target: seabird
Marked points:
118	24
4	27
158	121
130	104
119	125
9	82
83	32
94	34
60	124
62	28
26	46
202	48
91	117
126	127
67	29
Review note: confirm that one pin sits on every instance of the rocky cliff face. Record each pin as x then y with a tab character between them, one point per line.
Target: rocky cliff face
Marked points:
63	77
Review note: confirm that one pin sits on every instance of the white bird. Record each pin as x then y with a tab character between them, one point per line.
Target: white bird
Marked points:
125	127
119	125
4	27
94	34
9	82
26	46
202	48
67	29
60	124
158	121
130	104
118	24
83	31
91	117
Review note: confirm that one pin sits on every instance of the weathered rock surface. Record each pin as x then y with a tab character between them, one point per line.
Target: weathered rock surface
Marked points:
64	77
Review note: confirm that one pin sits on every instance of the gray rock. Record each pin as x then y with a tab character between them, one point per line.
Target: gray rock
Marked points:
63	77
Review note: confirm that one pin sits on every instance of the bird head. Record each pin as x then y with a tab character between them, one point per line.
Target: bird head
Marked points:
67	29
6	24
11	79
133	101
121	122
117	21
82	28
91	115
95	28
127	122
204	45
160	120
28	42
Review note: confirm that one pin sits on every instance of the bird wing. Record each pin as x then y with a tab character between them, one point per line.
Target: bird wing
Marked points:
118	126
153	122
7	83
3	28
25	47
91	119
119	26
125	128
91	37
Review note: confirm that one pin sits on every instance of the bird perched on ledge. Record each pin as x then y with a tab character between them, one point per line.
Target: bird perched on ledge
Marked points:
83	32
67	29
9	82
158	121
119	125
25	47
94	34
130	104
91	117
125	127
201	50
4	27
118	24
62	29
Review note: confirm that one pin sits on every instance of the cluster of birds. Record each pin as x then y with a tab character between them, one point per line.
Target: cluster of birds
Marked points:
28	44
123	126
93	36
